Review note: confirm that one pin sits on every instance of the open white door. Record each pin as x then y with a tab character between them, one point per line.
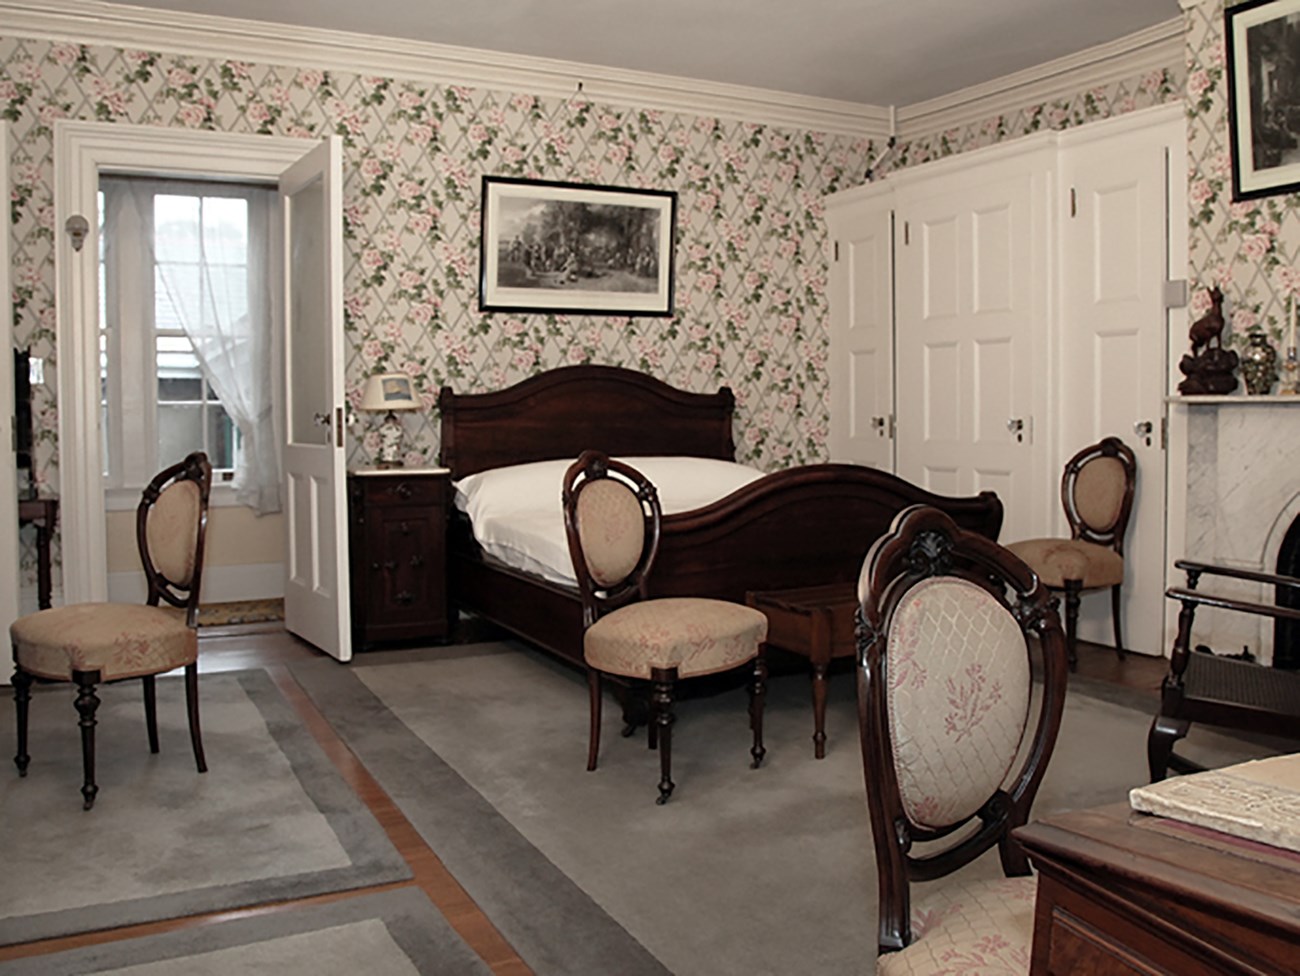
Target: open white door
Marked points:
316	588
8	459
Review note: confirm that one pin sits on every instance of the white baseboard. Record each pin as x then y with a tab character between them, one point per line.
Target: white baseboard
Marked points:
221	584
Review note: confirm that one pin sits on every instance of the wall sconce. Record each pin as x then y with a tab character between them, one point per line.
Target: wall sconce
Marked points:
389	392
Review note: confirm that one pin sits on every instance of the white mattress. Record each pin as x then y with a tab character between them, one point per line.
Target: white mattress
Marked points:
517	516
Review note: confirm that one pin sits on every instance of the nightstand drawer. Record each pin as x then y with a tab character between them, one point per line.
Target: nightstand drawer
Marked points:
404	490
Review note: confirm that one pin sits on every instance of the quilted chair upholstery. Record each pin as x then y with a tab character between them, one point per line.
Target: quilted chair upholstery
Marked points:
612	518
955	739
91	643
1097	493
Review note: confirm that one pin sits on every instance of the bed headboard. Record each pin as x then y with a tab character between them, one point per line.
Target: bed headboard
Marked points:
561	413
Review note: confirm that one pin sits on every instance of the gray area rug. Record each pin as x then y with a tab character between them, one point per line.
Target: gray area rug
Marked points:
270	820
393	933
743	871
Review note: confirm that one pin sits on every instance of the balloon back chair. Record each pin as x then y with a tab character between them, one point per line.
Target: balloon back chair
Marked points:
612	518
92	643
956	735
1097	493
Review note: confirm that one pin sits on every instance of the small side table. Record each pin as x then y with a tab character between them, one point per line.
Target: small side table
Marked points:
43	513
398	554
818	623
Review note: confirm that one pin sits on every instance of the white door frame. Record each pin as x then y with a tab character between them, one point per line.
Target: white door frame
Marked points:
9	550
82	151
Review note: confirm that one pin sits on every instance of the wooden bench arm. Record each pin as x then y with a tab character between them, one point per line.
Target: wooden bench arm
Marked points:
1186	596
1191	567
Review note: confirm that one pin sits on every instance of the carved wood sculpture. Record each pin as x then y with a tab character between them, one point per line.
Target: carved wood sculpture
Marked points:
1208	367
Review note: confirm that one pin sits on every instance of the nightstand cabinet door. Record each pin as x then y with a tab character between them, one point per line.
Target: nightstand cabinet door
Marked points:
398	556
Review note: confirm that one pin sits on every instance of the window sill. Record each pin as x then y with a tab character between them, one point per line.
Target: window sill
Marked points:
128	499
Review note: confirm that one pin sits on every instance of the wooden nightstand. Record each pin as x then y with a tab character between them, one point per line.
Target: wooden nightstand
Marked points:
398	554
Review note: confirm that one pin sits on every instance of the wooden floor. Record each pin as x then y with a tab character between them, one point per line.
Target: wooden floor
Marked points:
269	647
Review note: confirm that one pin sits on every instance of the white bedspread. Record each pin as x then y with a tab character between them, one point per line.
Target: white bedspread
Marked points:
517	516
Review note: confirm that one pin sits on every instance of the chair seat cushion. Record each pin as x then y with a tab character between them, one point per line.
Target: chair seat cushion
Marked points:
696	636
975	928
1058	560
119	640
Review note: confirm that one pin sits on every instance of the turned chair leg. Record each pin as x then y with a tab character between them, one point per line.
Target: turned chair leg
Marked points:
22	696
150	711
1114	616
594	690
192	711
87	702
661	720
757	696
1072	590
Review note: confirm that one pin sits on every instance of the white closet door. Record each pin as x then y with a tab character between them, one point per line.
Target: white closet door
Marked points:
862	334
8	462
1114	261
968	301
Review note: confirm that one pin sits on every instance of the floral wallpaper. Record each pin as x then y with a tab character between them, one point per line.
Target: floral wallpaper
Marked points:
751	245
1249	249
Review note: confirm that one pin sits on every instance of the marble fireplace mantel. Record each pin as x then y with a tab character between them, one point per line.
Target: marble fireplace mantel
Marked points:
1242	494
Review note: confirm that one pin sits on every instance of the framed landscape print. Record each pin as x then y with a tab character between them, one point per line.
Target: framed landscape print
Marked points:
574	248
1263	59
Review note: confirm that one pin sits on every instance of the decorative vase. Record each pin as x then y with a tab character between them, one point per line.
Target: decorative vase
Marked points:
1259	365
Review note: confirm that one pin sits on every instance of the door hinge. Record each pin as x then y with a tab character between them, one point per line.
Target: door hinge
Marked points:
907	233
1175	293
893	428
837	251
338	426
1164	433
1074	203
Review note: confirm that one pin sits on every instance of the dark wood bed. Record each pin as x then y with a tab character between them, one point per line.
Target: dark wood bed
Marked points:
798	527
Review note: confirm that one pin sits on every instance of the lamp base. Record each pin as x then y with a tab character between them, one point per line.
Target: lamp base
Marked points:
390	442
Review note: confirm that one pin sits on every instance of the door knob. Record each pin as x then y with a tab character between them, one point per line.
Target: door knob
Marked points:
1144	428
1016	425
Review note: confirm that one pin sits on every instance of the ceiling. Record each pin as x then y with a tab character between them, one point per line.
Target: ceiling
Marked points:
874	52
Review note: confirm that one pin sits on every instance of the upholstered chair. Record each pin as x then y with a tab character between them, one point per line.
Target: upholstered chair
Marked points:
612	518
89	644
1097	492
956	735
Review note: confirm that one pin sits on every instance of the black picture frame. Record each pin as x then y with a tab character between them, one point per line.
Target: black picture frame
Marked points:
1262	41
576	248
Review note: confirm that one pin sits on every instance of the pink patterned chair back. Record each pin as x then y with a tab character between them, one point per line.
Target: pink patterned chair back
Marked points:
954	740
611	519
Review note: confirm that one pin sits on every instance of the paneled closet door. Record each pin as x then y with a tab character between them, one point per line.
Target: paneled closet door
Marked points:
968	298
862	333
1114	262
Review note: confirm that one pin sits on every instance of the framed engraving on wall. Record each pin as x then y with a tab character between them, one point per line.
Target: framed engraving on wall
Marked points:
1262	38
575	248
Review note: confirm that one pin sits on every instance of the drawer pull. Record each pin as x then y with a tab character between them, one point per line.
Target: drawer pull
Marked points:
403	490
405	597
417	561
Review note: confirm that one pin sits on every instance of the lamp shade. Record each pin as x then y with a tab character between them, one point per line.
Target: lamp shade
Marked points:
389	391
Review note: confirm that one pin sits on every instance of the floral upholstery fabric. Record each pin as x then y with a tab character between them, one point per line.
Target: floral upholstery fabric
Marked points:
1058	560
611	530
120	640
696	636
983	928
1099	492
172	531
958	691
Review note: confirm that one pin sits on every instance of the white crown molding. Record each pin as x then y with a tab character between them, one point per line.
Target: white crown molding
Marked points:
93	21
1160	46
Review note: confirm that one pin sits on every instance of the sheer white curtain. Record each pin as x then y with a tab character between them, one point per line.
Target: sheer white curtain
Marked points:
216	284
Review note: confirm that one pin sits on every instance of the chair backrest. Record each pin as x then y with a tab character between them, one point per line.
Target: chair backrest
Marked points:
171	523
1097	492
611	518
952	751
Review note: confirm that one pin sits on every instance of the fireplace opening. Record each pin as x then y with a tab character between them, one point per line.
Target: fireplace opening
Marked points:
1286	633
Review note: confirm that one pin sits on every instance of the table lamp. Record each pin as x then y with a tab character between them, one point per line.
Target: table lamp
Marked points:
389	392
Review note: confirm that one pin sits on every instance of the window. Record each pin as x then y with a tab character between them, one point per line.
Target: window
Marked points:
182	321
